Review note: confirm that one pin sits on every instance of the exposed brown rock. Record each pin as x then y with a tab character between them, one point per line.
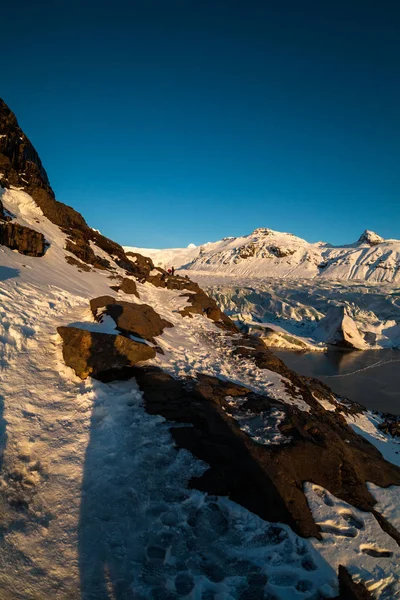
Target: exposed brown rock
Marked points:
77	263
201	304
25	240
137	319
100	302
80	247
267	480
126	285
101	355
141	266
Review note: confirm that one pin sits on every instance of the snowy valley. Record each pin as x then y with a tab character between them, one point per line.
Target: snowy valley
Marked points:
150	447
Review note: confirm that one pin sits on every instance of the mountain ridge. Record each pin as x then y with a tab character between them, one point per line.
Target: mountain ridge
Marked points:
269	253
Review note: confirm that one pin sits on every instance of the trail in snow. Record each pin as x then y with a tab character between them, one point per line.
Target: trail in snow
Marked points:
95	502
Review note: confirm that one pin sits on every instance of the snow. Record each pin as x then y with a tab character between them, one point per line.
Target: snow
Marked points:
262	427
92	483
388	500
354	539
196	345
269	253
295	308
367	425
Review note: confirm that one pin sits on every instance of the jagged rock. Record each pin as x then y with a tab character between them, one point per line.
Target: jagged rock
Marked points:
370	237
337	328
281	252
140	320
268	479
25	240
349	590
201	304
77	263
22	167
126	285
85	253
102	355
391	424
141	266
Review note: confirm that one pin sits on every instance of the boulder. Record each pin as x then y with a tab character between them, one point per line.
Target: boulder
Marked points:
201	304
100	302
101	355
127	285
140	320
27	241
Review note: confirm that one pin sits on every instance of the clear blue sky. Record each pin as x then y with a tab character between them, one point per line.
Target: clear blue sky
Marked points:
175	121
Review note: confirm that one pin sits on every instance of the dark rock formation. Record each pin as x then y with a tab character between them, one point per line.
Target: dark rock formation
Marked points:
140	320
202	304
25	240
280	252
390	424
349	590
22	167
267	479
77	263
141	266
126	285
101	355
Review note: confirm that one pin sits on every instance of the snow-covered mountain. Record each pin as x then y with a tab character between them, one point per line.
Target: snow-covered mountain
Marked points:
268	253
149	449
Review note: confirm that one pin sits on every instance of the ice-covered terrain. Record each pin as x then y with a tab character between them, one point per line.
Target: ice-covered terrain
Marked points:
100	497
294	309
268	253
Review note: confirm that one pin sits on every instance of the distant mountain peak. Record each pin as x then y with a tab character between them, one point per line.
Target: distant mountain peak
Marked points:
370	237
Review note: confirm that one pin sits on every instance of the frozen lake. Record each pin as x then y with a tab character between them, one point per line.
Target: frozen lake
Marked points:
370	377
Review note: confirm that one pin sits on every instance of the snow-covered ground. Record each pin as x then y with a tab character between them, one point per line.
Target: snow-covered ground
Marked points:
95	502
269	253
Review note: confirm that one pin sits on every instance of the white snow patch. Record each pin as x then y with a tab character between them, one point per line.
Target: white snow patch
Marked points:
366	425
354	539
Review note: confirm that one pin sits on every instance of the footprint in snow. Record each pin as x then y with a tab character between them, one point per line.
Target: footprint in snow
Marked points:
375	552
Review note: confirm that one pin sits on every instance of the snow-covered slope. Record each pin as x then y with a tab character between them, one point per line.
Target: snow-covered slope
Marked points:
188	479
268	253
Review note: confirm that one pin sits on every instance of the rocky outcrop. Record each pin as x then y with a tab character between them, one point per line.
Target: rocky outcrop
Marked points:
337	328
370	237
199	303
101	355
349	589
140	320
141	266
267	479
25	240
127	286
21	166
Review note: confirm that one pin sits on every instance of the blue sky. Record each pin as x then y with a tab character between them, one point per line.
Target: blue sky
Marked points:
175	121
